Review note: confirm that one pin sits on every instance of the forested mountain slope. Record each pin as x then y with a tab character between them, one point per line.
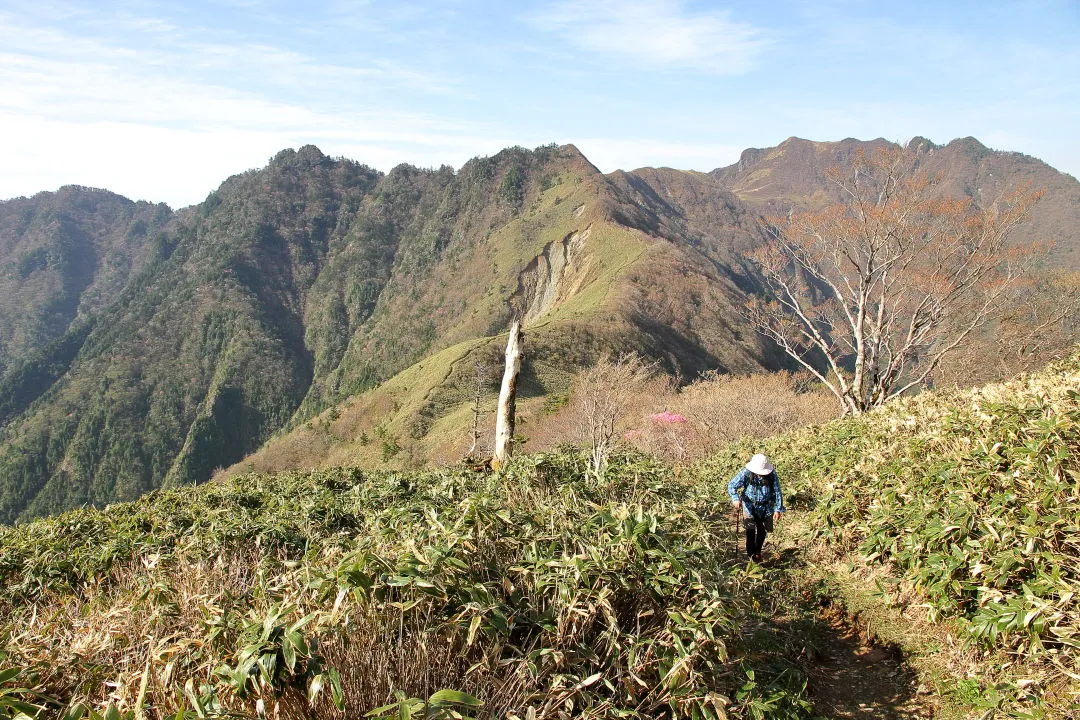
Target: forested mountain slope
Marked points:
143	348
199	353
64	257
294	286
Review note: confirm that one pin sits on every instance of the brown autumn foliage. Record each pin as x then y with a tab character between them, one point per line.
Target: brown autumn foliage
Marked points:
1039	325
722	409
687	424
871	294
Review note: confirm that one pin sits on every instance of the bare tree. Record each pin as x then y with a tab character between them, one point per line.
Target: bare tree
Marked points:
504	421
600	397
879	288
480	378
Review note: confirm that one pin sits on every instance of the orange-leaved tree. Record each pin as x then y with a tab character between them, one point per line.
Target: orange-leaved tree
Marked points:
870	293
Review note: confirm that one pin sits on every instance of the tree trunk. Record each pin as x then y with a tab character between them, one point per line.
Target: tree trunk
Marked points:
504	423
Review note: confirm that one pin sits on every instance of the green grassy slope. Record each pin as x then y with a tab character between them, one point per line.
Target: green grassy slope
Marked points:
423	415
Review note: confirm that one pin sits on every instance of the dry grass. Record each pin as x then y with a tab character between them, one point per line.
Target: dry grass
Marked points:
718	410
721	410
144	616
517	588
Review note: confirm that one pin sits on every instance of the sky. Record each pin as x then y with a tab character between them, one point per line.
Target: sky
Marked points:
162	101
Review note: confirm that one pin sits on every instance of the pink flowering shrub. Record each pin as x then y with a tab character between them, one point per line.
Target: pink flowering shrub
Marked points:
703	417
667	418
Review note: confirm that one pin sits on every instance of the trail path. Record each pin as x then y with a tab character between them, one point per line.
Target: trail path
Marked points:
850	675
854	678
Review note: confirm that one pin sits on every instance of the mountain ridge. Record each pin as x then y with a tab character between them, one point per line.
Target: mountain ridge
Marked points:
297	286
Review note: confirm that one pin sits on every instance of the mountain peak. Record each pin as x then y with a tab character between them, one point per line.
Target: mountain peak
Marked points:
795	140
970	147
921	144
306	157
571	152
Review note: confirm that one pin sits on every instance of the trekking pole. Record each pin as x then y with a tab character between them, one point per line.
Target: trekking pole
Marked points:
735	512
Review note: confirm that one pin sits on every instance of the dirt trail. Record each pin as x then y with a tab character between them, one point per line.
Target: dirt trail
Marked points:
850	675
854	678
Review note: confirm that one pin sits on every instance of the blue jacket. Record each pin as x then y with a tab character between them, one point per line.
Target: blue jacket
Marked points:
755	496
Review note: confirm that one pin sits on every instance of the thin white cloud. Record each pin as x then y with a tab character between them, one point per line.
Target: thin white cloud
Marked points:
150	123
666	33
170	49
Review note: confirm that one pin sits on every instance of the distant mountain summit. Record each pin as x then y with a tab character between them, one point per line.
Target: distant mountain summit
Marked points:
790	175
142	348
63	258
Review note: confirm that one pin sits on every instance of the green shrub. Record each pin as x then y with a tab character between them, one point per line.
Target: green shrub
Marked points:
541	587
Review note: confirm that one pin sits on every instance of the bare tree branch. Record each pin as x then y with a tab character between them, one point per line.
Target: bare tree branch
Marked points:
907	276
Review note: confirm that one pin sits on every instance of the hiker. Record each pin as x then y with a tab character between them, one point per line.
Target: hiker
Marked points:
756	489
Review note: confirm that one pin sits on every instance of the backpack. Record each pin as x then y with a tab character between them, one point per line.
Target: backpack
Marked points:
759	509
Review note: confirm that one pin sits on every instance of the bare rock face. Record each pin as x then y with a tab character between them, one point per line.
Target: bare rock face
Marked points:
553	275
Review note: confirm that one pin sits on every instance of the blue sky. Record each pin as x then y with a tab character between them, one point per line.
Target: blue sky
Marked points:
164	100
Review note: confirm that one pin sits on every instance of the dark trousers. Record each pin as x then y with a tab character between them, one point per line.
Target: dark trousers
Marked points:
756	530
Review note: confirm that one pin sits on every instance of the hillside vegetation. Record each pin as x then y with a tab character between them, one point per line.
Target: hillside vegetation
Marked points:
540	591
141	348
544	590
298	285
968	503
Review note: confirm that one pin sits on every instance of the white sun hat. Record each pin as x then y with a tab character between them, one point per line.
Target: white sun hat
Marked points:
760	465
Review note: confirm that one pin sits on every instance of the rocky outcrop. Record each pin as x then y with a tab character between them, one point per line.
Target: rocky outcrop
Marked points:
552	276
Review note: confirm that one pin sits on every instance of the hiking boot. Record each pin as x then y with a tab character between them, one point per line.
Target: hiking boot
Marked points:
756	558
